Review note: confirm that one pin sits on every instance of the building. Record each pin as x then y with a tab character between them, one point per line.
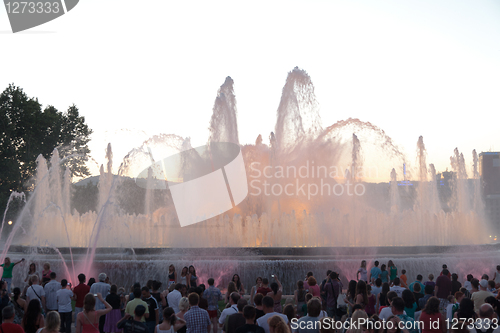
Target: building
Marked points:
489	170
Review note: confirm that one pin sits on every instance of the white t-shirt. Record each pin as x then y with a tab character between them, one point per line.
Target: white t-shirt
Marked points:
227	312
398	289
363	274
64	300
32	292
262	321
386	312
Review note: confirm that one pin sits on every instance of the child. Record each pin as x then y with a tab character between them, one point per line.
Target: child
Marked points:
403	278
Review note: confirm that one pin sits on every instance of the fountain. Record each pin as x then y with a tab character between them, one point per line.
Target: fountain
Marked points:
309	188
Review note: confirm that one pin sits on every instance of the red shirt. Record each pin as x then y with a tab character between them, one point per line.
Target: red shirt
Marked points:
80	291
429	323
263	290
11	328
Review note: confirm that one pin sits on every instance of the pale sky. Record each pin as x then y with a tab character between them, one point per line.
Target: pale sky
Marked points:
140	68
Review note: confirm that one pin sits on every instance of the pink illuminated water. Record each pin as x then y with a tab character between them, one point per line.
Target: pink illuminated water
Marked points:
376	218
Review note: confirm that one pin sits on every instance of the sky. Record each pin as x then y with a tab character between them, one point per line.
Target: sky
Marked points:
137	69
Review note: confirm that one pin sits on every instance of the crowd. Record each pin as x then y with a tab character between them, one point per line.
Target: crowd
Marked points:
380	300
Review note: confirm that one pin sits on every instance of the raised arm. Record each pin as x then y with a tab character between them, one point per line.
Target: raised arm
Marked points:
106	304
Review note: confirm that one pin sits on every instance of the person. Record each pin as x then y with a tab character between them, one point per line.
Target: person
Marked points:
33	318
102	288
382	296
410	306
259	309
87	321
358	318
46	273
8	325
5	299
479	296
455	284
487	319
491	287
170	322
253	291
496	277
31	271
113	317
35	291
313	312
183	309
445	267
134	324
213	296
52	323
236	320
384	274
79	294
8	266
429	291
239	286
377	287
19	306
454	306
63	298
264	288
350	297
468	282
131	305
361	295
277	293
431	319
308	275
233	308
375	272
91	282
250	326
50	290
231	288
268	307
289	311
197	320
333	288
398	310
393	270
404	279
277	325
396	287
184	276
322	288
172	275
419	282
159	297
313	286
443	289
154	318
362	271
386	312
430	282
372	301
174	297
193	279
417	295
300	297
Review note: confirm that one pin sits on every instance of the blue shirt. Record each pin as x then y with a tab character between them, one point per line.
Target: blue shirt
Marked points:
375	272
213	296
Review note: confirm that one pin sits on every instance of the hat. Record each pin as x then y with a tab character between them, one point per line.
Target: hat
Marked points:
483	283
140	310
102	277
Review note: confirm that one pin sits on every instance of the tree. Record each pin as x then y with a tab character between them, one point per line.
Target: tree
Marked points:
27	131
